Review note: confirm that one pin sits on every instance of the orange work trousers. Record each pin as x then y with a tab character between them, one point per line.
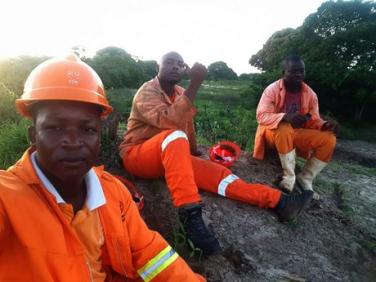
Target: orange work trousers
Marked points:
168	154
306	141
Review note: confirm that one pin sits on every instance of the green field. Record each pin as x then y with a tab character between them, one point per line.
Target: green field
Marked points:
226	110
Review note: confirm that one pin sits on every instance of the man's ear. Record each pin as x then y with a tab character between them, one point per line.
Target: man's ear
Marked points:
31	134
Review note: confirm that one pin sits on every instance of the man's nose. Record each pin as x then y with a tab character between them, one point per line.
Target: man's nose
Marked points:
72	138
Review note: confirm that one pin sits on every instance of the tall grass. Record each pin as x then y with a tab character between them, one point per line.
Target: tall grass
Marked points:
7	105
13	141
223	113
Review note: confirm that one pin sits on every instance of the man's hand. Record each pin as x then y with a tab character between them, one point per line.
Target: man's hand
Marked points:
296	120
331	125
197	73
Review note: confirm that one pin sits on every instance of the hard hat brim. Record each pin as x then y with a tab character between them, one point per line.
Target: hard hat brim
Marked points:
64	94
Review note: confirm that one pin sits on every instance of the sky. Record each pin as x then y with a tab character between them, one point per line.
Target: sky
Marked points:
202	31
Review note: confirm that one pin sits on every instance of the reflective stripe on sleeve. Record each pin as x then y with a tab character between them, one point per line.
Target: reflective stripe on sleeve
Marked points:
173	136
225	182
157	264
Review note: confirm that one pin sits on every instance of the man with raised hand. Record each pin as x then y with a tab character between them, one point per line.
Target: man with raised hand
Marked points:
61	219
289	120
160	141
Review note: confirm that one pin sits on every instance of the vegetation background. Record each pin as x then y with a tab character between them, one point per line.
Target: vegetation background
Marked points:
337	43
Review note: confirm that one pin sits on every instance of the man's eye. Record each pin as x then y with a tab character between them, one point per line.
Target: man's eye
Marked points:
91	129
53	127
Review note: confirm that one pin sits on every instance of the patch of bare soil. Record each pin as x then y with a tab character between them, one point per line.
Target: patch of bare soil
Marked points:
333	240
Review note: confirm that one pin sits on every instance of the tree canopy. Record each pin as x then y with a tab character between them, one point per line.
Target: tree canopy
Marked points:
338	45
220	71
114	65
117	68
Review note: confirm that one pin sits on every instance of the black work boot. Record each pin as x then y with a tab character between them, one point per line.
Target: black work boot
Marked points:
196	230
290	205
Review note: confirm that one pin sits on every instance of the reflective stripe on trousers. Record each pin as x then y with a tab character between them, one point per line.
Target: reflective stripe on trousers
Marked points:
173	136
224	184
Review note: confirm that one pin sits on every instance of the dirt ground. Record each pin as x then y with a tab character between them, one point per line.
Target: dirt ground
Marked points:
333	240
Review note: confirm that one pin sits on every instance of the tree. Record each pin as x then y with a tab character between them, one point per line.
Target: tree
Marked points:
14	71
117	68
220	70
275	49
338	45
150	68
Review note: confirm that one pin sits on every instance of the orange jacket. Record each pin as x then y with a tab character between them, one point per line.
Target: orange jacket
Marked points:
153	111
270	112
38	244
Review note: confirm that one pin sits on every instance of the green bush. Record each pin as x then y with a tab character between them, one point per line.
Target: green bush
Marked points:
214	124
121	99
7	105
13	141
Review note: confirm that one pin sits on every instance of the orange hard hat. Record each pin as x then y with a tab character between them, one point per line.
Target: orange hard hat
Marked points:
224	153
67	79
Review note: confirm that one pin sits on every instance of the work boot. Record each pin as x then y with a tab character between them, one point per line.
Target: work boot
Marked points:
311	169
288	166
290	205
196	230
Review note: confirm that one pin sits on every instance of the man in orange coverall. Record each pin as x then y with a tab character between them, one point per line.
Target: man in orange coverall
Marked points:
289	120
61	219
160	141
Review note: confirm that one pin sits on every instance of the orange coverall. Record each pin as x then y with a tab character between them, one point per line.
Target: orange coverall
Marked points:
274	133
37	243
158	142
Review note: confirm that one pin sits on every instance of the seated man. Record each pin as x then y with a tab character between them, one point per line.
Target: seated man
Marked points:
160	141
61	219
289	120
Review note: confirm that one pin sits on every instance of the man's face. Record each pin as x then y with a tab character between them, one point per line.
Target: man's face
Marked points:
294	73
67	138
172	67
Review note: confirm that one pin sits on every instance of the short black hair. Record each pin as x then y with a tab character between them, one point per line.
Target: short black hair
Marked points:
291	58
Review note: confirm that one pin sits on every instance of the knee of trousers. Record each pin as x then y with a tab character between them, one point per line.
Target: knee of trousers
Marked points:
330	141
284	131
326	140
284	138
172	135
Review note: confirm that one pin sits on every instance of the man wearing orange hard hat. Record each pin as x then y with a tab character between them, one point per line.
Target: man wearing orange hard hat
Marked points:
160	141
61	219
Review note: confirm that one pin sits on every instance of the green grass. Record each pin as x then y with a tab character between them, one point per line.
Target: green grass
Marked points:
226	111
352	168
13	141
181	241
222	114
339	192
7	105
